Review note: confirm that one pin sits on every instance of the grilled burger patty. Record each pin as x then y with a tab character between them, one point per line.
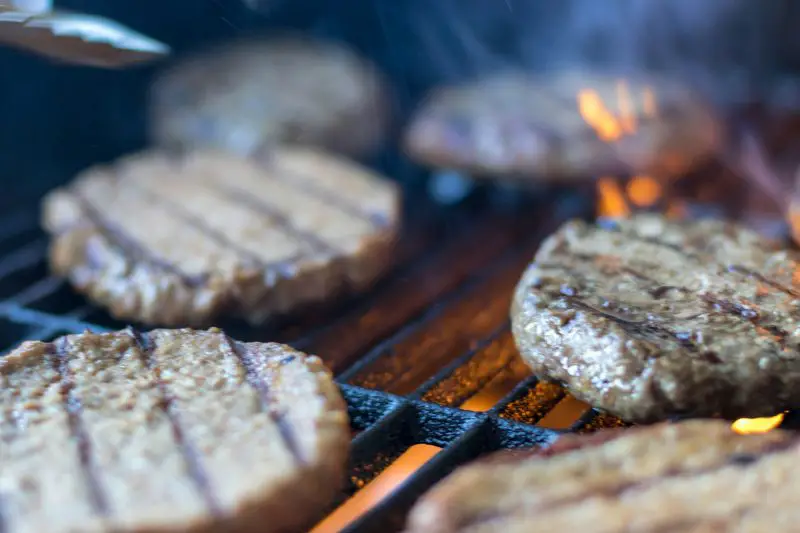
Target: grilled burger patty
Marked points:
172	430
517	125
254	93
648	318
181	239
695	476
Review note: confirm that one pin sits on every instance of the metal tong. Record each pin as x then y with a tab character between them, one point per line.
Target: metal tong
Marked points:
74	38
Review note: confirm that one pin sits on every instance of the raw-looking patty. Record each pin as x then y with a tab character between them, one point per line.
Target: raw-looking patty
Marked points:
523	126
696	476
172	430
252	94
648	318
181	239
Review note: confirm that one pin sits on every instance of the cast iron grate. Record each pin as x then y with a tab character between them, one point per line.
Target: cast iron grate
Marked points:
425	358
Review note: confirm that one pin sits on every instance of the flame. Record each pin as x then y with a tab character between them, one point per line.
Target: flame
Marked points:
641	191
793	217
645	191
749	426
595	113
608	126
611	199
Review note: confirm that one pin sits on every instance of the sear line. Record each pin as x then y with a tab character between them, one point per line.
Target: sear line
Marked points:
314	242
301	183
644	330
267	402
177	211
190	454
130	249
72	405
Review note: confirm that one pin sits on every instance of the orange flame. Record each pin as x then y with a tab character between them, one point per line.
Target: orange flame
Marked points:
611	199
642	191
749	426
608	126
595	113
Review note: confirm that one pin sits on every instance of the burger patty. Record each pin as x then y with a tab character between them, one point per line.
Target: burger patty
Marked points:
648	318
168	239
694	476
563	126
255	93
172	430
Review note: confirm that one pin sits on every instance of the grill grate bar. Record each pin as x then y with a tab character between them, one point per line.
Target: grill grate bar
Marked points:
407	296
587	418
482	435
448	370
24	315
475	291
516	393
23	258
597	420
389	514
37	291
473	314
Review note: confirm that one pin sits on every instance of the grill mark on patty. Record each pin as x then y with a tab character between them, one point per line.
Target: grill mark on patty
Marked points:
765	280
616	491
146	346
730	307
614	228
284	223
639	329
300	182
59	358
129	248
643	330
295	180
219	238
739	269
740	310
657	291
258	382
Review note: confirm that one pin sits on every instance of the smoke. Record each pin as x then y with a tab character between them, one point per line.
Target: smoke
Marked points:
722	44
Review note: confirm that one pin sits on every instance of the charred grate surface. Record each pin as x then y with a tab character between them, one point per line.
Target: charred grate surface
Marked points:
426	358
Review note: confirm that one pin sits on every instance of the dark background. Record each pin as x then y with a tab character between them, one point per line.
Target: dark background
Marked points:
57	120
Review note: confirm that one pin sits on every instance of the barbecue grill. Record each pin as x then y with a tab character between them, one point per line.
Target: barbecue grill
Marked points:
425	358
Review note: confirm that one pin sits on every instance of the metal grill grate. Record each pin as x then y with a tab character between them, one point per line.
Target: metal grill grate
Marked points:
425	358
